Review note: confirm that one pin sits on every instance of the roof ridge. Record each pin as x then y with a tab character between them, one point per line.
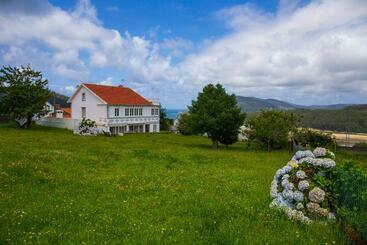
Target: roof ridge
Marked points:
117	94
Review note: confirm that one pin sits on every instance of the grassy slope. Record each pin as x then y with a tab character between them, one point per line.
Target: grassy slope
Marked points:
56	187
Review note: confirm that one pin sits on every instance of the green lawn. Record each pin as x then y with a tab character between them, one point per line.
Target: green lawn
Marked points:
149	188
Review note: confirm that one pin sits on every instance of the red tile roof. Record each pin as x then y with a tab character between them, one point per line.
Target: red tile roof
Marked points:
67	112
117	95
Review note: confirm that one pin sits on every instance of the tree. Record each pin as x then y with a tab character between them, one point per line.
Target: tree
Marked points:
164	121
313	138
24	92
272	128
183	124
216	113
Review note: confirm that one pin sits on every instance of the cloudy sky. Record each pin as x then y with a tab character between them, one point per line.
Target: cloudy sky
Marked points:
305	52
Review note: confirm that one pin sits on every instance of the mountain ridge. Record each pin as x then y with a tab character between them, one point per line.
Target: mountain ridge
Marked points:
254	104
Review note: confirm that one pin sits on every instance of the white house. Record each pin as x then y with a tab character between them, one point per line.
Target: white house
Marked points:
117	108
49	108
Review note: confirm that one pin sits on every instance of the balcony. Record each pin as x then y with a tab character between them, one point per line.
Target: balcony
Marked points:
128	120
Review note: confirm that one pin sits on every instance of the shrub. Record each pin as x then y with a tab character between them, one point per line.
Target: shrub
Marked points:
350	196
87	127
314	139
183	124
164	122
272	128
360	145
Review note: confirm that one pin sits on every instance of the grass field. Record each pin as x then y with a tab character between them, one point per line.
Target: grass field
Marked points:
149	188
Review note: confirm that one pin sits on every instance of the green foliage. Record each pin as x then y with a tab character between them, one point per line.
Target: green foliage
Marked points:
183	124
57	188
164	121
351	118
314	139
87	123
360	146
216	113
271	128
25	92
350	195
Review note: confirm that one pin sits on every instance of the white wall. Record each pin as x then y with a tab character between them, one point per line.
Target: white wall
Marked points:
147	111
95	108
58	122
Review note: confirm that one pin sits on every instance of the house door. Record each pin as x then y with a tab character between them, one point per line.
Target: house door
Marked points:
147	127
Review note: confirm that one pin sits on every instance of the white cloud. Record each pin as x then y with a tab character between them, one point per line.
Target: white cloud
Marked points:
107	81
304	53
70	89
64	36
320	48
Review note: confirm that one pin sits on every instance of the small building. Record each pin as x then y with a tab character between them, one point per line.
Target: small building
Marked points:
115	108
49	109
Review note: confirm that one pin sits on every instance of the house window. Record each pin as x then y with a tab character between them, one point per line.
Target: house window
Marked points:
83	96
131	111
140	111
117	112
156	112
84	112
152	111
126	111
136	111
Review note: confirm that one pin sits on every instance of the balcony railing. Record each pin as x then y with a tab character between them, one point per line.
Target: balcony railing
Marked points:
128	120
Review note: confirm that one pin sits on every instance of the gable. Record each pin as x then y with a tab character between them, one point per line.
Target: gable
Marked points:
119	95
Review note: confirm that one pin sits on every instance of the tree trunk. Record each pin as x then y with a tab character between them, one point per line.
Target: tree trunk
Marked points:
268	145
29	121
215	143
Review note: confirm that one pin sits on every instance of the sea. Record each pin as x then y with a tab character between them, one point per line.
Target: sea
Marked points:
173	113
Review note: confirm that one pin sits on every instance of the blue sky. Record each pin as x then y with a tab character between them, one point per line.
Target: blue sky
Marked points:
305	52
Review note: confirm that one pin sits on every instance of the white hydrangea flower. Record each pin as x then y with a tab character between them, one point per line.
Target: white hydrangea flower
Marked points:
286	176
303	185
301	174
320	152
298	196
316	195
287	194
299	206
274	189
309	160
328	163
303	154
289	186
284	183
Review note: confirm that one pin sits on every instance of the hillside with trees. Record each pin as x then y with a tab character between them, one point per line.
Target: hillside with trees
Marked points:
351	118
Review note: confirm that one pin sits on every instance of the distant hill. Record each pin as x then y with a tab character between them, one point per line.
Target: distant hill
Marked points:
336	117
350	118
59	99
253	104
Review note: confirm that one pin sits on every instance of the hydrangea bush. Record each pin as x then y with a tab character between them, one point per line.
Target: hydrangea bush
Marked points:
87	127
302	187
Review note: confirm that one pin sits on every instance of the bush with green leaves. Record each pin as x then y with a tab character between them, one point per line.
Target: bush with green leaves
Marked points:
360	146
183	126
87	127
350	196
272	128
164	122
313	138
